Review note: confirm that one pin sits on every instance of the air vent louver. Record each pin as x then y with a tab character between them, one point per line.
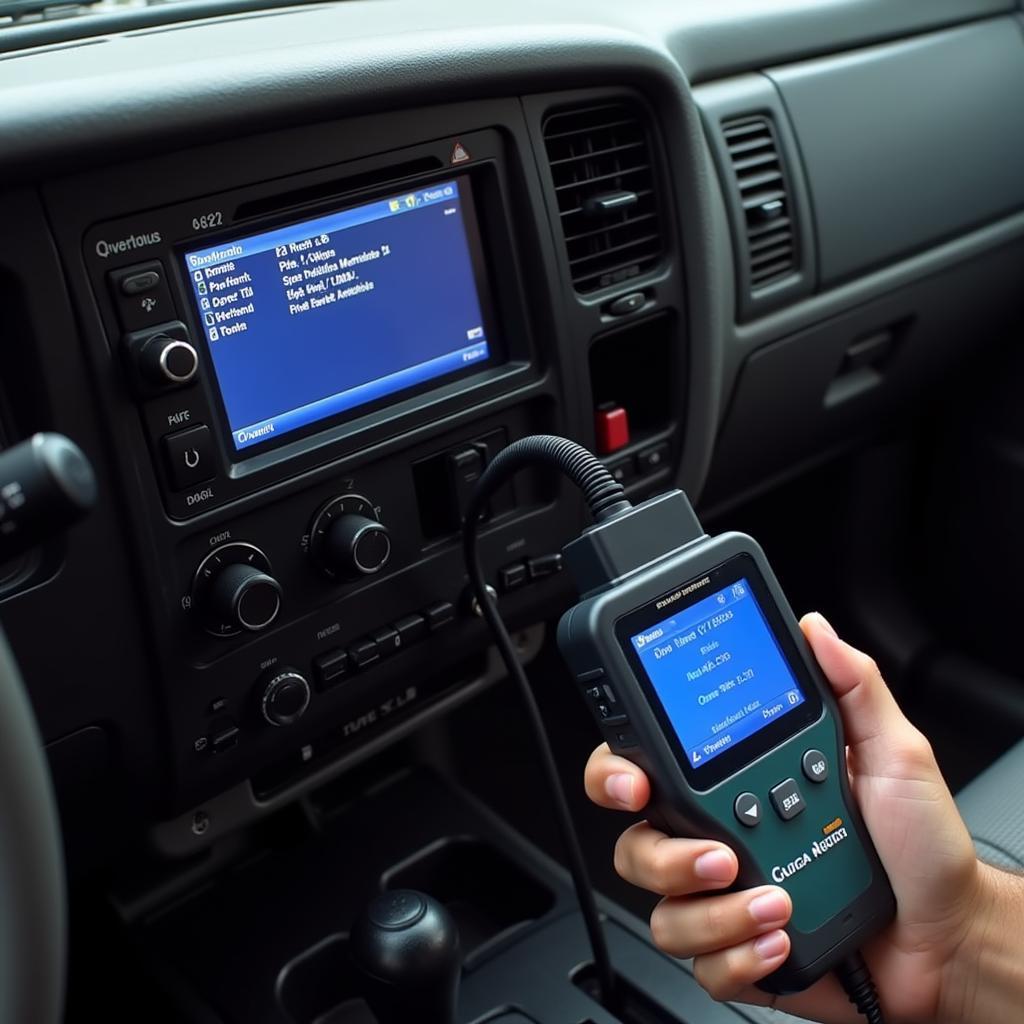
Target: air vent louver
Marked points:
600	162
767	211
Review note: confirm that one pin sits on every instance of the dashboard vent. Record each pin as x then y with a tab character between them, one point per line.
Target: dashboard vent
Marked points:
767	212
600	158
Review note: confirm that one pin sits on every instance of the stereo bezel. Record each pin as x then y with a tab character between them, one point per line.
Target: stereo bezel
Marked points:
171	230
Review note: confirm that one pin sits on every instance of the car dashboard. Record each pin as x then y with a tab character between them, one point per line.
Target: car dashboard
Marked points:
716	242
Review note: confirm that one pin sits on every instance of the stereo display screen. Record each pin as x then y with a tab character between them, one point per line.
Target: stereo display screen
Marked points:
312	321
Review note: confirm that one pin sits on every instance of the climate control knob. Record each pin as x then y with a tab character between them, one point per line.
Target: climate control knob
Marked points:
347	539
234	592
283	696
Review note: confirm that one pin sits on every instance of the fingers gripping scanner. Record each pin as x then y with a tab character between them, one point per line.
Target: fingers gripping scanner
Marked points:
694	666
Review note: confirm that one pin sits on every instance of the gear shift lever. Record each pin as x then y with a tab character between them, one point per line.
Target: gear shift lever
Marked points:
406	946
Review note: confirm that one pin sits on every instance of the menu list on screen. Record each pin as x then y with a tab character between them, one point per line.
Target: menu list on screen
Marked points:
309	321
718	671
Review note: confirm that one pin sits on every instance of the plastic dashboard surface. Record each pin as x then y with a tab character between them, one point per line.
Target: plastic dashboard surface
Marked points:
101	107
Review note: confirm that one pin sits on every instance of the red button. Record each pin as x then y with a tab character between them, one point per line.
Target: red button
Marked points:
611	425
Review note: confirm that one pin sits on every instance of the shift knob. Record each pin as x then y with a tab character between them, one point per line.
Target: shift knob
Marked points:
406	946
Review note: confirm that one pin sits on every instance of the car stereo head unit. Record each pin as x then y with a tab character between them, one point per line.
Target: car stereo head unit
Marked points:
293	322
309	323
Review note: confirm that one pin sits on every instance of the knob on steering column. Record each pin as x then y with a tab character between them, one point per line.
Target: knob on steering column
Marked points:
406	947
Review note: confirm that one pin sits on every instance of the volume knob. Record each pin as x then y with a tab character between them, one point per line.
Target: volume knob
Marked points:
284	696
234	591
168	362
347	540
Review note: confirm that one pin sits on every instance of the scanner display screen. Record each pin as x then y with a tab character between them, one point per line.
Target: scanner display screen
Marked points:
308	322
718	671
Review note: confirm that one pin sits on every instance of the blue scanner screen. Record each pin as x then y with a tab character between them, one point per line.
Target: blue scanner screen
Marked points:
718	671
311	320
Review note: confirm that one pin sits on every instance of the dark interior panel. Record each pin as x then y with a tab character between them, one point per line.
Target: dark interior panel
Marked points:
850	378
265	687
909	143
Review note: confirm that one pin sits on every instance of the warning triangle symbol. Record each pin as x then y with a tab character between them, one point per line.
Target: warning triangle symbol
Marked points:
459	153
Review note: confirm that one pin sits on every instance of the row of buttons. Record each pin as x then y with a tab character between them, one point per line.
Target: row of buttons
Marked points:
786	797
645	462
331	668
518	574
143	299
604	704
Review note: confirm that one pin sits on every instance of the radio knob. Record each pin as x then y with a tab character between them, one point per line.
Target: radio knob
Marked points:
358	546
284	696
167	362
347	540
234	592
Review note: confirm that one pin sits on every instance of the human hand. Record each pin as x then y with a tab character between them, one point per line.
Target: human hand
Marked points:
942	891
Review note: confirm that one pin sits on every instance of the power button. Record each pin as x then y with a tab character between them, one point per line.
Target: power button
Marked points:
188	455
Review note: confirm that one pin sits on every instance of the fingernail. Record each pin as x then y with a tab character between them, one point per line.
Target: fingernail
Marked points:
770	946
715	866
620	789
769	908
824	623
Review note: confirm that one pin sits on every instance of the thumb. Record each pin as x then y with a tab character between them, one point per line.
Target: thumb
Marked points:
875	726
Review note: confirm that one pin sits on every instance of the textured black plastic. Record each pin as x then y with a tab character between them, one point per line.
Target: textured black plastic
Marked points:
407	947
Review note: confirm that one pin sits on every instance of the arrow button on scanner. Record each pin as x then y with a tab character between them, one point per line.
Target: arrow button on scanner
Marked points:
747	809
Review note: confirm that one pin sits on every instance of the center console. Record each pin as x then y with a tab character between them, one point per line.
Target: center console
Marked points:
307	346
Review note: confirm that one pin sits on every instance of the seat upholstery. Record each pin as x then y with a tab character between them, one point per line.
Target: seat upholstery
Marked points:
993	807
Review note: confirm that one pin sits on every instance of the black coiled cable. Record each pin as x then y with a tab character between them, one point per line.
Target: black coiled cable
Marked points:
855	977
605	498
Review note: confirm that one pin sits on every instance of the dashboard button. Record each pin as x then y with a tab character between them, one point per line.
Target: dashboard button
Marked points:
513	576
611	428
224	737
815	765
387	639
411	629
545	565
622	470
650	460
464	469
440	614
787	799
747	809
330	668
364	653
141	295
188	455
142	281
627	304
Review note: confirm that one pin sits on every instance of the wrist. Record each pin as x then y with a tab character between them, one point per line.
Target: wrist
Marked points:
984	978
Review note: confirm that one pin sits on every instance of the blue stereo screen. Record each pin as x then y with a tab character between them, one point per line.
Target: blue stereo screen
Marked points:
312	320
718	671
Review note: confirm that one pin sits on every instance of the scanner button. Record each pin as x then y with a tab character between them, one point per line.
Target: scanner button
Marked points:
747	809
614	721
787	799
815	766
